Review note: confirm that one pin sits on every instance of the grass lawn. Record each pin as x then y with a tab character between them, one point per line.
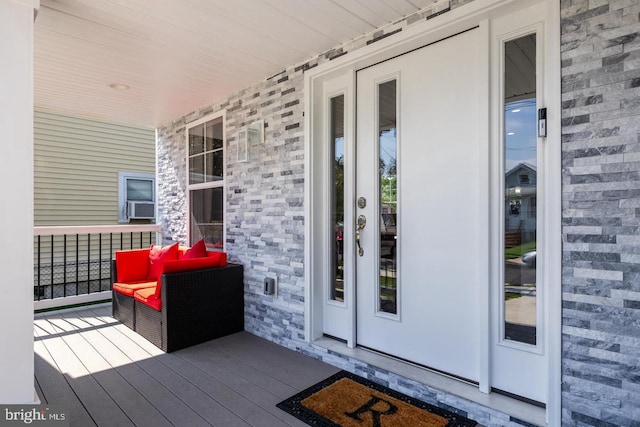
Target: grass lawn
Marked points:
388	282
511	295
518	251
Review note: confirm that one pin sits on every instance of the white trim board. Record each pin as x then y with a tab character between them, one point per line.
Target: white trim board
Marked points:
71	300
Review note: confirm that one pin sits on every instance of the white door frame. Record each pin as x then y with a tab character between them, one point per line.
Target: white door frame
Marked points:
476	13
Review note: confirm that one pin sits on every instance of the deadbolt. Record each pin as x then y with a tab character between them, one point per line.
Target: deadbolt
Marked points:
362	202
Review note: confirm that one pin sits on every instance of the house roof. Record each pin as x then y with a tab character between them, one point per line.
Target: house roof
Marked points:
520	166
177	55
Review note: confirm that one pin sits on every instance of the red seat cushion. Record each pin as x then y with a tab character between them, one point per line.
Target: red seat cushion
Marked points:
158	256
198	250
147	296
130	288
132	266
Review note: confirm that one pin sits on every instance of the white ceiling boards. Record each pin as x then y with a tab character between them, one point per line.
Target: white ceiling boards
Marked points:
176	56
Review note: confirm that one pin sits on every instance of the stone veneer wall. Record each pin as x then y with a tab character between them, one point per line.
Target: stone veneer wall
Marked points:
265	195
601	212
601	206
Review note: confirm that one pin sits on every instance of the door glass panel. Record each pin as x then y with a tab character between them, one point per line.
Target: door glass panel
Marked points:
388	200
520	181
336	135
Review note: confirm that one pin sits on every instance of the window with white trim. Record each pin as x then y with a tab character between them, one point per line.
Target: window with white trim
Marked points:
136	196
205	181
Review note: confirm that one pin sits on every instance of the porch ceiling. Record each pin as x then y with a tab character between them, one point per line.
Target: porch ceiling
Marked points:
178	55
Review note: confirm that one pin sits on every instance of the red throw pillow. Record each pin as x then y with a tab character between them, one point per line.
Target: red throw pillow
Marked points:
220	257
132	266
198	250
157	256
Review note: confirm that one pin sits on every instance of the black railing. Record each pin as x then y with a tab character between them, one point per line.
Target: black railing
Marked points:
71	261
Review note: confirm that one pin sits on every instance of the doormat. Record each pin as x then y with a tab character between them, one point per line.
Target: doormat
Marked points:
346	400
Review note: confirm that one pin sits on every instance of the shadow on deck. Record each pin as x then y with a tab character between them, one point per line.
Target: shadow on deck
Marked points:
102	373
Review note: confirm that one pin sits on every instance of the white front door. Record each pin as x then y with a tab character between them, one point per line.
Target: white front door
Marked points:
437	201
418	173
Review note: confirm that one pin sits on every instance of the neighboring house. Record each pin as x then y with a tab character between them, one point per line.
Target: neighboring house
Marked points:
87	172
521	205
443	83
83	168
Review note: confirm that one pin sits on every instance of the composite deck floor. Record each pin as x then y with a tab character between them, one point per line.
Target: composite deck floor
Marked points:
102	373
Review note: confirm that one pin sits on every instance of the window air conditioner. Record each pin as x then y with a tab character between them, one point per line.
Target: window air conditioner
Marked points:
141	210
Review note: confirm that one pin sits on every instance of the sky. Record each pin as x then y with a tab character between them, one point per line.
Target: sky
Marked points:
520	133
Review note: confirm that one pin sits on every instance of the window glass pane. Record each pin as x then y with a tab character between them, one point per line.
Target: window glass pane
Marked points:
214	134
207	217
206	152
196	140
213	165
336	292
206	157
139	190
196	169
520	226
388	200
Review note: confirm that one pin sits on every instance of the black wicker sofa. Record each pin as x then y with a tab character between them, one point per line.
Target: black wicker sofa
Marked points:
183	307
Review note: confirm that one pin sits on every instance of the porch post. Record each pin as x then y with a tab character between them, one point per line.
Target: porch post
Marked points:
16	201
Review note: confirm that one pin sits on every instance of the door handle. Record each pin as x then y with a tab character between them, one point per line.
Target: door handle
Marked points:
360	224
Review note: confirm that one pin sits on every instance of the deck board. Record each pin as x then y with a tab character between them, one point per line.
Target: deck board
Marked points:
286	363
267	380
101	406
258	404
55	389
105	374
110	366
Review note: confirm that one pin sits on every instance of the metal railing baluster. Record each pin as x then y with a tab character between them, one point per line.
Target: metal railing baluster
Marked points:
64	266
100	262
39	268
88	263
52	267
77	263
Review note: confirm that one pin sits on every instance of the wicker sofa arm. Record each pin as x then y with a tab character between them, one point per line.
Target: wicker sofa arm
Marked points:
114	272
200	305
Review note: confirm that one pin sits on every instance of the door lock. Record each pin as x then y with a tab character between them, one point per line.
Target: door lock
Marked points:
362	222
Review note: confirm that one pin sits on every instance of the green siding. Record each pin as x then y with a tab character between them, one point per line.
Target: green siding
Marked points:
76	165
